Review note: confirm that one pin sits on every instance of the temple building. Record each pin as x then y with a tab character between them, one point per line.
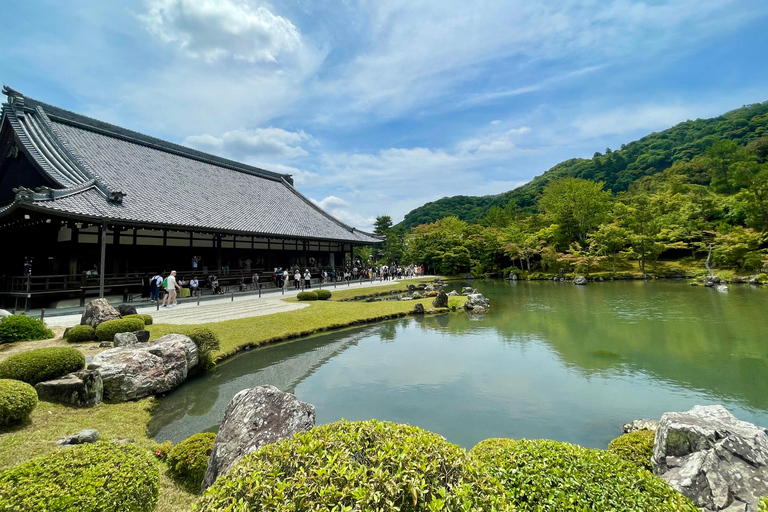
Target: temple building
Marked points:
88	208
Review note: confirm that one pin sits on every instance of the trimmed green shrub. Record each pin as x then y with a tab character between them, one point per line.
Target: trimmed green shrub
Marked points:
23	328
323	294
42	364
545	475
763	506
188	460
147	319
17	399
80	333
106	330
635	447
368	465
163	449
99	477
307	296
206	342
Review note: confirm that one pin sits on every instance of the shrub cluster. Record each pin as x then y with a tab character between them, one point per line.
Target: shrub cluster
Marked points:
367	465
23	328
42	364
763	506
635	447
99	477
188	460
147	319
207	342
163	449
307	296
80	333
323	294
547	475
106	330
17	399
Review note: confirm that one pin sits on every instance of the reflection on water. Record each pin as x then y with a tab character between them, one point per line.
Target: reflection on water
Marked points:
550	360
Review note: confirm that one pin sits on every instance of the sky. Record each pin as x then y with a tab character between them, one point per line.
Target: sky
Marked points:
377	107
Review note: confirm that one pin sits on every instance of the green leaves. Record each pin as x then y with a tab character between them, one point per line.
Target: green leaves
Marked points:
17	400
23	328
188	460
42	364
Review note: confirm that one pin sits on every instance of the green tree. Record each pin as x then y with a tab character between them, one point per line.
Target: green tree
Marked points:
638	217
577	205
382	224
609	240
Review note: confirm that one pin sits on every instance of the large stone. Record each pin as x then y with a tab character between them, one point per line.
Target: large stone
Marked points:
98	311
637	425
136	371
477	303
123	339
81	389
718	461
125	310
441	301
254	418
418	308
4	313
580	280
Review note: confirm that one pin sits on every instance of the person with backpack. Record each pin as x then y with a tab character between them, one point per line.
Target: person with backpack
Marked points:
154	287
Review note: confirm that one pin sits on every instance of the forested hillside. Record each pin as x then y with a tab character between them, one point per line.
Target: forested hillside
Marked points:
617	169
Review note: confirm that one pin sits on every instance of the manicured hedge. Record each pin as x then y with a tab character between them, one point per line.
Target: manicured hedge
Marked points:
763	507
23	328
367	465
207	342
42	364
323	294
307	296
635	447
147	319
80	333
188	460
547	475
17	399
106	330
163	449
100	477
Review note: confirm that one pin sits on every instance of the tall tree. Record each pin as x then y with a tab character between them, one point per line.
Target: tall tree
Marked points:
382	224
577	205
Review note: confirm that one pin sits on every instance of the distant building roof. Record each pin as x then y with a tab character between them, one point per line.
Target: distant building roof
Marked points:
103	171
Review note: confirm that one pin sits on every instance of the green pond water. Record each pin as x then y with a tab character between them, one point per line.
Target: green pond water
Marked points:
551	360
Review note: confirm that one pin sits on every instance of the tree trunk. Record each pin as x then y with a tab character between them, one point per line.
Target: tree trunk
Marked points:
614	263
708	261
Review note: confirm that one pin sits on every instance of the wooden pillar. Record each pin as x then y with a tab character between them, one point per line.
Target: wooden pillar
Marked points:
103	258
306	259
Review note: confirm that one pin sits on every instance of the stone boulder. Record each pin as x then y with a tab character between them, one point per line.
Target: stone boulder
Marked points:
718	461
637	425
98	311
87	435
580	280
123	339
453	293
711	281
4	313
477	303
254	418
722	288
418	308
136	371
81	389
125	310
441	301
468	290
416	295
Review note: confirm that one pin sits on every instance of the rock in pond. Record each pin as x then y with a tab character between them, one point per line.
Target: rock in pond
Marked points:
123	339
418	308
441	301
637	425
254	418
718	461
580	280
81	389
477	303
136	371
722	288
98	311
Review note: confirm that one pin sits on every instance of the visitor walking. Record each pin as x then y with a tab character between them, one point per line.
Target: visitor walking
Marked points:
194	286
255	281
170	287
297	279
154	287
307	279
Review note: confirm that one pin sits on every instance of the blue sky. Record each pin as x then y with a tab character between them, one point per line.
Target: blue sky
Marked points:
379	107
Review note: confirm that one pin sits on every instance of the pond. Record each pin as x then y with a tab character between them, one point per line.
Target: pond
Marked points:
551	360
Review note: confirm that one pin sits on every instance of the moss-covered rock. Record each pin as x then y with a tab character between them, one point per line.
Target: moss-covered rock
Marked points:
100	477
547	475
17	400
635	447
106	330
23	328
188	460
42	364
306	296
367	465
81	333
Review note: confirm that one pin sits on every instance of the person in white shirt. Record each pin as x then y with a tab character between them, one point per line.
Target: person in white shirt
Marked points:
193	286
285	278
171	286
307	280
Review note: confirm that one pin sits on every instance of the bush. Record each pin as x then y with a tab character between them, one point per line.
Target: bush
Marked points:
323	294
307	296
762	278
763	506
162	450
367	465
635	447
17	399
23	328
106	330
547	475
80	333
188	460
206	342
147	319
42	364
99	477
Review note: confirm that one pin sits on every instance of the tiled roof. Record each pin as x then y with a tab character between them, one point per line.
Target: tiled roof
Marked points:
108	172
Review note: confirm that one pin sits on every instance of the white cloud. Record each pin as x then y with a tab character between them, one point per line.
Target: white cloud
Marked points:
214	29
259	142
330	202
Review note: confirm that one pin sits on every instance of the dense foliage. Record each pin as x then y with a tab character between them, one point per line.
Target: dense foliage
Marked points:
42	364
147	319
307	296
188	460
207	342
368	465
100	477
471	209
635	447
106	330
551	476
17	399
323	294
80	333
23	328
